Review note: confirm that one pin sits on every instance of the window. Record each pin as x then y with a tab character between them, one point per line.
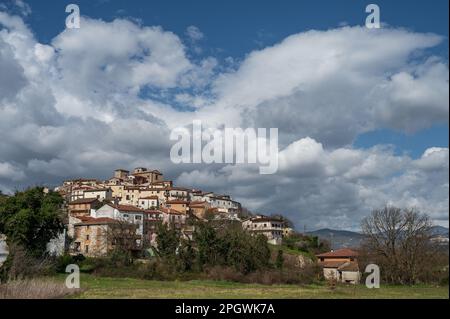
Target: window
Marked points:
138	217
125	215
87	237
86	249
127	197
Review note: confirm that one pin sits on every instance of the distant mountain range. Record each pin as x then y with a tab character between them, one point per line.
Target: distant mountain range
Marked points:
349	239
339	238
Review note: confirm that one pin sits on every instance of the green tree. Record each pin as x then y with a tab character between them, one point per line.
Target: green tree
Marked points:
207	242
31	218
167	240
261	251
186	256
280	259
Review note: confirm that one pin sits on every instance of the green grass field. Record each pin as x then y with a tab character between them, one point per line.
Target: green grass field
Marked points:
101	287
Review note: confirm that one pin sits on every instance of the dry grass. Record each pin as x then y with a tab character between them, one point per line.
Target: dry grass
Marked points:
35	289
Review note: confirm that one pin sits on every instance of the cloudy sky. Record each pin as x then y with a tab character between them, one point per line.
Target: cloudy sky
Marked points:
362	113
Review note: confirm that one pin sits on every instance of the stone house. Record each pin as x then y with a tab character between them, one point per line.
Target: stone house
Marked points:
341	264
94	237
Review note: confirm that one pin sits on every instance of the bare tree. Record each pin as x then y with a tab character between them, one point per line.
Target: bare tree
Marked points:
121	236
398	240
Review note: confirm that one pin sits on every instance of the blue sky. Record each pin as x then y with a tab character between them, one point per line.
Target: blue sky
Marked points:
362	114
235	28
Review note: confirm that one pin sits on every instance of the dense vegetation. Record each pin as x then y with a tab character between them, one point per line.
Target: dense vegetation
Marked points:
217	251
29	219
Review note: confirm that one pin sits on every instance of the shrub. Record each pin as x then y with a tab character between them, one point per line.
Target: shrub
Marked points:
21	264
62	261
265	276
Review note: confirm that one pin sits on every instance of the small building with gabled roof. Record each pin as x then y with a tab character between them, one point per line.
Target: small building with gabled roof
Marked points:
341	265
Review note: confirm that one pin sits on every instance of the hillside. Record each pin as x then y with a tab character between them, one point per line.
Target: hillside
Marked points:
338	238
345	238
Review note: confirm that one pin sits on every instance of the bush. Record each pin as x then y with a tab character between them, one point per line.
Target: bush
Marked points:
21	264
61	262
264	277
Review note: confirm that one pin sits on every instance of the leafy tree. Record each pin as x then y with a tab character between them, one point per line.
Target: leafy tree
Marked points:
280	259
261	251
186	256
167	240
30	219
207	242
230	245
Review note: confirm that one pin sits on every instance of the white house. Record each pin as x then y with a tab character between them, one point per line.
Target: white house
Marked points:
149	202
126	213
101	194
270	227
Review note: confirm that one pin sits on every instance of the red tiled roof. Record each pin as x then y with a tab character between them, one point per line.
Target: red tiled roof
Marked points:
170	211
83	201
345	252
128	208
88	220
152	211
177	201
125	208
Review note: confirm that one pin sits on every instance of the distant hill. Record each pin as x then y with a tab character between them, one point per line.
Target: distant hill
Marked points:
439	231
349	239
339	238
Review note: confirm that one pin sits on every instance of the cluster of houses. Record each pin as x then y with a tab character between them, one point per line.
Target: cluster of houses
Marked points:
126	209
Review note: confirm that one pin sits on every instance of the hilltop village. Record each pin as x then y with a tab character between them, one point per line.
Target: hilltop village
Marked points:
129	206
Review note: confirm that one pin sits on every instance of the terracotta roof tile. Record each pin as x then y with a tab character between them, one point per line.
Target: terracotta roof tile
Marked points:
83	201
345	252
